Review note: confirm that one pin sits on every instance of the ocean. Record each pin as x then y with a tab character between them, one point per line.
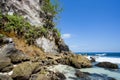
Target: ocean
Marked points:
105	54
113	57
95	71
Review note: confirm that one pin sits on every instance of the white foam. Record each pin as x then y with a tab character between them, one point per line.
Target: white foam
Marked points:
108	59
66	70
7	73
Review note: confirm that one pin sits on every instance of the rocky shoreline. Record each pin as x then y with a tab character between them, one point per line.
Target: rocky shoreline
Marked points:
30	43
16	65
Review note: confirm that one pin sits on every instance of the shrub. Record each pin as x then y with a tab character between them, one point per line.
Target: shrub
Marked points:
1	35
57	31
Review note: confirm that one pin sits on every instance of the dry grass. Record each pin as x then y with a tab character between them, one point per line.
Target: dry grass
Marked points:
20	44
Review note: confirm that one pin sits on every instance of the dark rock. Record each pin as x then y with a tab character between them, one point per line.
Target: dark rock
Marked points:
107	65
60	75
5	64
7	49
7	40
5	77
63	48
7	68
18	56
92	59
110	78
14	54
80	74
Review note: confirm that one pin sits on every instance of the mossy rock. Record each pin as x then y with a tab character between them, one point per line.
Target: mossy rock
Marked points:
24	70
80	61
39	77
76	61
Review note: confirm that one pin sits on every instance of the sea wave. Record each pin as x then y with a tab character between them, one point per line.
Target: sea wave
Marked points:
108	59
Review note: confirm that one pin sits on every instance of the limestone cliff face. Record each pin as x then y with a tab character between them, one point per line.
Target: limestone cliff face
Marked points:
32	11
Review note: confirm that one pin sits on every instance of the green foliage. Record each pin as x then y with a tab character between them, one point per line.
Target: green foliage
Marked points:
23	28
0	18
1	35
16	23
57	31
52	7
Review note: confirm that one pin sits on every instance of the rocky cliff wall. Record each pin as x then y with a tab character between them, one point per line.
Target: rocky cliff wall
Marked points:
30	9
33	12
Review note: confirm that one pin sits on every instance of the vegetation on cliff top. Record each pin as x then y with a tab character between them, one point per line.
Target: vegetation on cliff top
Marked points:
51	6
18	25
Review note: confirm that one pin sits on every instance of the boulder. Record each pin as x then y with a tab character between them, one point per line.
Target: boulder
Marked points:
48	75
107	65
7	49
24	70
80	74
61	76
5	64
41	77
5	77
16	56
76	61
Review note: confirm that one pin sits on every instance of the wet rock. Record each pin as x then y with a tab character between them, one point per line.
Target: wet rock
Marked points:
24	70
92	59
110	78
5	77
95	76
107	65
80	74
60	75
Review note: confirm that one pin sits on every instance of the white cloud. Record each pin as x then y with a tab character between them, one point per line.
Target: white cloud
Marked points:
66	36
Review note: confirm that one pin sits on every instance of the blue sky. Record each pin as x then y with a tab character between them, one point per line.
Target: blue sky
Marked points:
91	25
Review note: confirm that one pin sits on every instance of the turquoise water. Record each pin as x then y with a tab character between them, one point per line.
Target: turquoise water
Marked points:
102	71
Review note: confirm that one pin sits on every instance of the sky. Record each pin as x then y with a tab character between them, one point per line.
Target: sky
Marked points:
91	25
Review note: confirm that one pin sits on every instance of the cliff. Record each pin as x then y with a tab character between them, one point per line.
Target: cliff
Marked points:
40	28
30	42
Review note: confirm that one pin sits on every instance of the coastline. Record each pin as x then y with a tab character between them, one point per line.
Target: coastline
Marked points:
95	72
